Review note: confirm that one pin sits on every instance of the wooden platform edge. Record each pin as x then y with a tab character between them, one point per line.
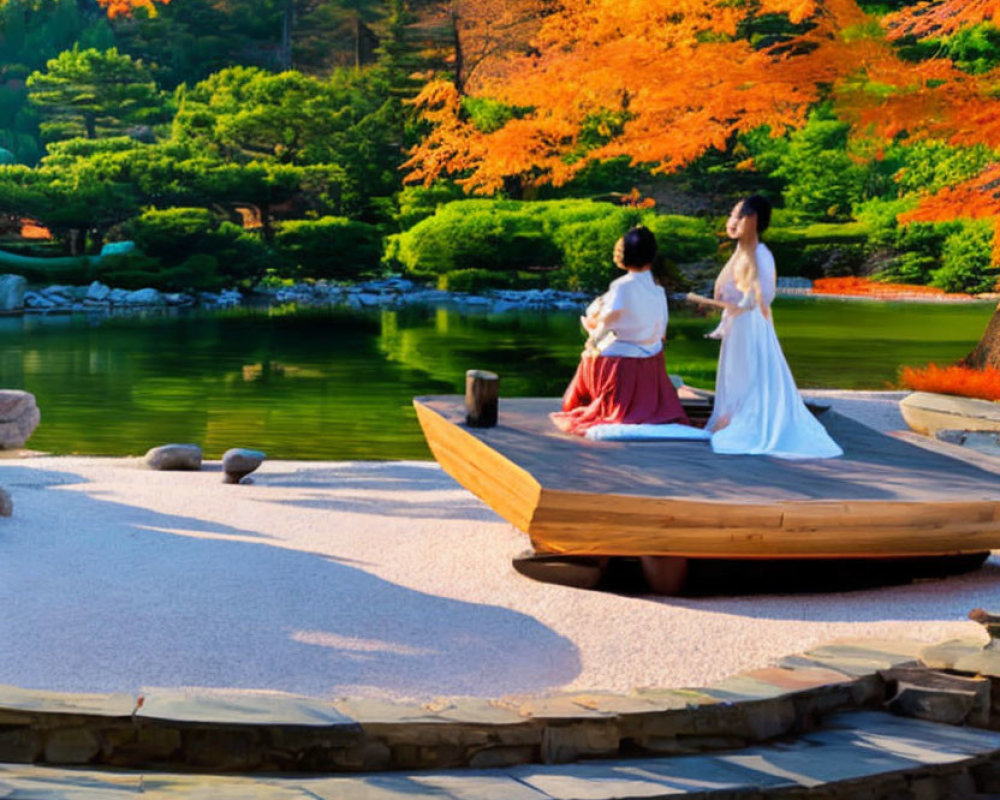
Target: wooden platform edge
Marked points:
599	524
507	488
583	524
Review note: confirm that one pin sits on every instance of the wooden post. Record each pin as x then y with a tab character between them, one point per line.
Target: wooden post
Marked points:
482	398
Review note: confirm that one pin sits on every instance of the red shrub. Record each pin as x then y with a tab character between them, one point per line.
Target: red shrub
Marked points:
981	383
866	287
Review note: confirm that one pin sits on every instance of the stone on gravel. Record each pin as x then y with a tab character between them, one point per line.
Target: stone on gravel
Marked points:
238	462
174	457
19	416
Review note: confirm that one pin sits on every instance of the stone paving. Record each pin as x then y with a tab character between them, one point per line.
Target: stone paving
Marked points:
868	753
812	725
249	731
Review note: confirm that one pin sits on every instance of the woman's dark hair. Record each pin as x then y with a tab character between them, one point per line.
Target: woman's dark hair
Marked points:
640	247
759	207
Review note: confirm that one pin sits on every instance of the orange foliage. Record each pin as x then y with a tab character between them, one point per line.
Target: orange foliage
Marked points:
34	230
964	381
658	81
941	17
634	199
934	99
865	287
483	34
126	7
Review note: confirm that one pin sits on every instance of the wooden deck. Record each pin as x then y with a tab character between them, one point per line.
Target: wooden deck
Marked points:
885	497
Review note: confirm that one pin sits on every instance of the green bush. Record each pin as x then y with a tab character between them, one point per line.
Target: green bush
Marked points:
505	236
818	250
329	247
130	271
586	252
966	260
476	280
194	242
419	202
475	234
683	240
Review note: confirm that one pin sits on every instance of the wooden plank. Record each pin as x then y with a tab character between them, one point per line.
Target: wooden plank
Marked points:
556	507
762	542
799	517
569	508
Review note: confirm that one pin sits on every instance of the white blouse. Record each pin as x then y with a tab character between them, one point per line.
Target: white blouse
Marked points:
638	331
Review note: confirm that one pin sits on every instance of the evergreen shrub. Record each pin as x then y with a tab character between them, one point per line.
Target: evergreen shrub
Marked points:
329	247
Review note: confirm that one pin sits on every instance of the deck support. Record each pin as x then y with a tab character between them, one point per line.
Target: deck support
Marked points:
664	574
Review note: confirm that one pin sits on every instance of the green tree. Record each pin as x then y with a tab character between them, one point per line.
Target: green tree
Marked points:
32	32
242	115
821	177
76	204
94	93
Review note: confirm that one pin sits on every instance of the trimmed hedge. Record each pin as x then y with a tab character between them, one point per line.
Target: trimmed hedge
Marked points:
479	280
186	248
819	250
504	236
329	247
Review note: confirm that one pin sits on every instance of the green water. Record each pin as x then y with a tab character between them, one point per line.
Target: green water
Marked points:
338	385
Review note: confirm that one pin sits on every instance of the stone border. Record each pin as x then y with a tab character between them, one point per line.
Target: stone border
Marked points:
247	731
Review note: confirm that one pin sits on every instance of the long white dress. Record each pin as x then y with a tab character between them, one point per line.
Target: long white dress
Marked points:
758	409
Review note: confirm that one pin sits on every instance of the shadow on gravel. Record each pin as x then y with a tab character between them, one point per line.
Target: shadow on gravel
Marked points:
730	577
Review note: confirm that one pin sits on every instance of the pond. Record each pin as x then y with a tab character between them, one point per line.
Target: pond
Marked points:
337	384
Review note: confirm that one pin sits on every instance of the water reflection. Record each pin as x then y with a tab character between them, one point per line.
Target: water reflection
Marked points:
338	384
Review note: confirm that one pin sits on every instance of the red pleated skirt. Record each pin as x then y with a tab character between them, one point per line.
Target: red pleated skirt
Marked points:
611	389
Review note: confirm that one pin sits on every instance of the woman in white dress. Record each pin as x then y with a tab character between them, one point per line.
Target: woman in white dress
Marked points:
758	409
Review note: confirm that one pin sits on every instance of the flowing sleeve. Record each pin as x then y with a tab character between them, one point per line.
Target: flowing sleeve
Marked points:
767	274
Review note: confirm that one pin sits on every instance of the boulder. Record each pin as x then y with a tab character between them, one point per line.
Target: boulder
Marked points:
239	462
144	297
12	289
174	457
35	300
928	413
98	291
19	416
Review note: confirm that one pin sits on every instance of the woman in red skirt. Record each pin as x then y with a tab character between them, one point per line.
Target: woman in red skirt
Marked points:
622	377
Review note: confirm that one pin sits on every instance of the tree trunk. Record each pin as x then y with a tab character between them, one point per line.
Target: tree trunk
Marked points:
90	124
459	55
266	228
357	42
287	20
987	352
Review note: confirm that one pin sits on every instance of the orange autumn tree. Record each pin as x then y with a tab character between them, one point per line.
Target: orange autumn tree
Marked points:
935	99
117	8
658	81
475	38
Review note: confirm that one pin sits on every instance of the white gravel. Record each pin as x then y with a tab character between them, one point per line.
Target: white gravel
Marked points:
365	578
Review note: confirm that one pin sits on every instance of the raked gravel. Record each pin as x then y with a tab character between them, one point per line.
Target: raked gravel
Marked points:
370	578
